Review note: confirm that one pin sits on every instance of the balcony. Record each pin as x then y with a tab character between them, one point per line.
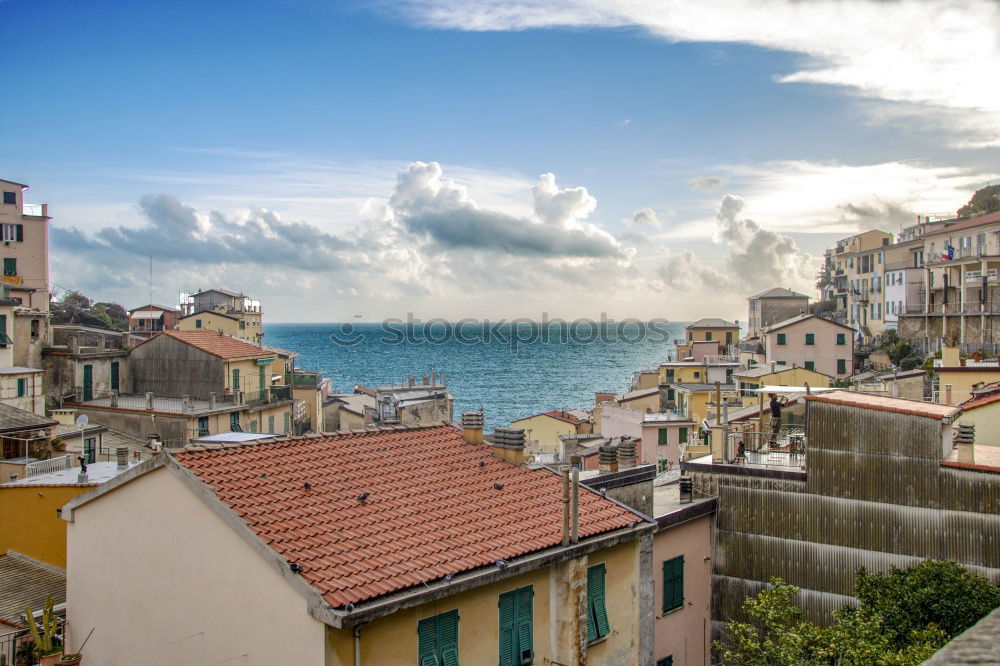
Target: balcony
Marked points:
35	210
301	378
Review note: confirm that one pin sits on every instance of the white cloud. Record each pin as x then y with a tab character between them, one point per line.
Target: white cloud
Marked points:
644	217
706	183
939	55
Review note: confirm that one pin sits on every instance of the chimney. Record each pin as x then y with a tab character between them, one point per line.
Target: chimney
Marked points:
122	454
686	488
947	394
409	381
626	453
607	458
427	380
472	427
965	442
508	443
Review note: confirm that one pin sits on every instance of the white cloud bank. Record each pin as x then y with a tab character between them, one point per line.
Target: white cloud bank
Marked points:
935	59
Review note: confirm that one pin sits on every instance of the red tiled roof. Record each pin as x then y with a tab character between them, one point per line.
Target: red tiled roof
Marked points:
433	508
931	410
364	389
215	344
988	218
557	414
980	401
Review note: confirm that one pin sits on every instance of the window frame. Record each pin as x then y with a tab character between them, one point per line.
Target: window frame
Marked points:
810	339
781	339
841	338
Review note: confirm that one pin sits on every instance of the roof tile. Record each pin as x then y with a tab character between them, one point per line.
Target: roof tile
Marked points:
214	343
884	403
432	509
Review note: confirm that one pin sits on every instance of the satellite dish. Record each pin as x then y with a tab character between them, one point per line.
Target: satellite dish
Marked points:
82	420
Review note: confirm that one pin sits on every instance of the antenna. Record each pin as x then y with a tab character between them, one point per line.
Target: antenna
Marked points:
150	278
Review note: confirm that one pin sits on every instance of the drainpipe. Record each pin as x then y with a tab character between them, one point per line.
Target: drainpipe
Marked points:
357	645
565	506
575	508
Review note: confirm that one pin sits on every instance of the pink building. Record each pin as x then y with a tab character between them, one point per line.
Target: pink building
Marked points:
661	433
813	343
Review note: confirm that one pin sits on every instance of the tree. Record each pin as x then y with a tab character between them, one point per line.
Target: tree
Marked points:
986	200
937	592
112	313
825	277
76	308
898	350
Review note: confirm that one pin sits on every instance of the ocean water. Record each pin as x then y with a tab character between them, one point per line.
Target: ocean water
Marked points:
510	370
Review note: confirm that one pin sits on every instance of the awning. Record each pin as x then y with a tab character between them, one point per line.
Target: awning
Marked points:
147	314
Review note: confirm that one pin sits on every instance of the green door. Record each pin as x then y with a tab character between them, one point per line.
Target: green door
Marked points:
88	382
260	381
114	376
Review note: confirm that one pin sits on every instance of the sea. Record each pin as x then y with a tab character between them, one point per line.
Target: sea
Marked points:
509	369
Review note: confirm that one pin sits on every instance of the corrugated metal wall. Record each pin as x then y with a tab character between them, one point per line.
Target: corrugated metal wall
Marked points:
875	496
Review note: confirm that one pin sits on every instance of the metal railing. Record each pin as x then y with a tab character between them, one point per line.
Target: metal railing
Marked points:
302	378
50	465
786	448
18	649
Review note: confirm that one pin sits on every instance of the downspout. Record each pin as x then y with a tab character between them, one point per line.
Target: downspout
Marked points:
357	645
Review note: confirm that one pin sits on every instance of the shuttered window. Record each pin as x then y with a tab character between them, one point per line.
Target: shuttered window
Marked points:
437	639
666	661
597	613
4	338
841	366
673	584
22	387
810	365
810	338
683	435
781	338
115	377
841	339
516	622
9	266
663	436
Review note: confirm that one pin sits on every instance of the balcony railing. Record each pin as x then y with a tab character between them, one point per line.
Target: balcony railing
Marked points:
50	465
786	448
37	210
303	378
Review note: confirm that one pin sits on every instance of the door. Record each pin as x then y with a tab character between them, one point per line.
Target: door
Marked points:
114	376
88	382
260	381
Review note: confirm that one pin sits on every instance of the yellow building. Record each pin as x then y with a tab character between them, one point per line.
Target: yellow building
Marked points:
711	329
233	314
424	566
858	266
957	378
776	375
542	431
693	400
30	506
983	411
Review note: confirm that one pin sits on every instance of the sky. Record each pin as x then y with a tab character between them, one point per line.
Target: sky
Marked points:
453	159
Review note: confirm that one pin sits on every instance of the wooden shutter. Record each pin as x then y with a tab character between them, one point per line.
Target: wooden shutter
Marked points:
662	436
508	610
20	232
597	618
22	387
683	436
114	376
673	583
427	642
525	625
447	638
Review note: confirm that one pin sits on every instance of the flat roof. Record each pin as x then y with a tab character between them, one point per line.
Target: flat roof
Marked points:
97	473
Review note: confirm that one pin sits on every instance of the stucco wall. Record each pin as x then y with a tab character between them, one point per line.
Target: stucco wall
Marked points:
685	633
30	524
824	353
165	582
544	433
393	639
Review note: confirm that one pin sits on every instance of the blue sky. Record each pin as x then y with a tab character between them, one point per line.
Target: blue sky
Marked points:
223	121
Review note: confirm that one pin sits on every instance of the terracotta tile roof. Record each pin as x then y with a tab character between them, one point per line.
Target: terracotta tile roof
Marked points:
213	343
931	410
433	508
557	414
25	582
803	317
364	389
980	401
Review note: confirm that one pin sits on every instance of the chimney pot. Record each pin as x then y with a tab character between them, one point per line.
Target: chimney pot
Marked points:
122	454
607	458
626	453
472	427
965	442
508	443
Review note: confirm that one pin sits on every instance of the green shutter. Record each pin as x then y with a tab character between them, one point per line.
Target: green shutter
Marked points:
447	637
597	617
841	366
670	394
270	424
20	233
508	611
22	387
683	435
810	365
287	423
841	339
662	436
4	338
781	338
9	266
427	642
234	422
236	380
114	376
708	335
673	583
88	382
525	625
810	338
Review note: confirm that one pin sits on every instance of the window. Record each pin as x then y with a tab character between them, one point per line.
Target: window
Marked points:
810	338
243	325
203	426
810	365
4	338
516	623
236	380
781	363
670	374
670	394
697	375
841	366
729	337
663	436
115	376
270	424
666	661
35	325
9	266
288	419
597	614
12	232
253	426
682	435
841	339
437	640
197	323
90	450
234	422
673	584
10	198
781	338
708	335
22	387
